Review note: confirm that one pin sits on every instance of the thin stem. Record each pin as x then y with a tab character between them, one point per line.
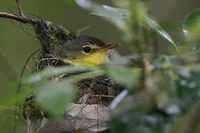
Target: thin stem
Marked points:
20	8
193	121
20	85
21	19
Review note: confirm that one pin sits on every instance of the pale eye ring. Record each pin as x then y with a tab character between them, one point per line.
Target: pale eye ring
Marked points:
87	49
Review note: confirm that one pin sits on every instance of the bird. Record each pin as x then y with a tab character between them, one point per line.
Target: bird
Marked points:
68	48
61	47
87	50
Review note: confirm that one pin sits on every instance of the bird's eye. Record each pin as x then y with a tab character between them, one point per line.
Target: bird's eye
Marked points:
87	49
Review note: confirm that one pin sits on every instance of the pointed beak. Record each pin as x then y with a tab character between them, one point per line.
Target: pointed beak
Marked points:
109	46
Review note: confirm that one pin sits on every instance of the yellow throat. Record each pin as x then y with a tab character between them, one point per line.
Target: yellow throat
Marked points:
93	59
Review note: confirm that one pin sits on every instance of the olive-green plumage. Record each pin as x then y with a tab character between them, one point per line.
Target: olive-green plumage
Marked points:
61	47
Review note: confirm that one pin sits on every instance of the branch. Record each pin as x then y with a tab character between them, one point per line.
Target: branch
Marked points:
193	121
20	18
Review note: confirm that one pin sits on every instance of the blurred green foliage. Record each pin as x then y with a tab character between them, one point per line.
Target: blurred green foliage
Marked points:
173	87
58	96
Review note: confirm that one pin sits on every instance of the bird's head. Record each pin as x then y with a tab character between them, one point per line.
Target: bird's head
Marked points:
86	50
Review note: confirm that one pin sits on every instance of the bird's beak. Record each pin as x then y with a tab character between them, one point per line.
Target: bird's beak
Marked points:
109	46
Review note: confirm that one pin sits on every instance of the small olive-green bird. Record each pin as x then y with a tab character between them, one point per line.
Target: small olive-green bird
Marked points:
65	46
86	50
61	47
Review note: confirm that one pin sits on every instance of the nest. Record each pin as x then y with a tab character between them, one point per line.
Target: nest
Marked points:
89	112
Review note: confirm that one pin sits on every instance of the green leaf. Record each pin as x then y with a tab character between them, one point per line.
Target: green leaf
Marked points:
188	85
126	76
141	122
191	25
55	96
154	25
114	15
165	62
166	99
55	71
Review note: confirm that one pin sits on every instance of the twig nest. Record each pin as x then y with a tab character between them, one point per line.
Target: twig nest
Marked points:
88	118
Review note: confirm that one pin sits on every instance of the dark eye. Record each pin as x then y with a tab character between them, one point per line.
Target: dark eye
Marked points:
87	49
